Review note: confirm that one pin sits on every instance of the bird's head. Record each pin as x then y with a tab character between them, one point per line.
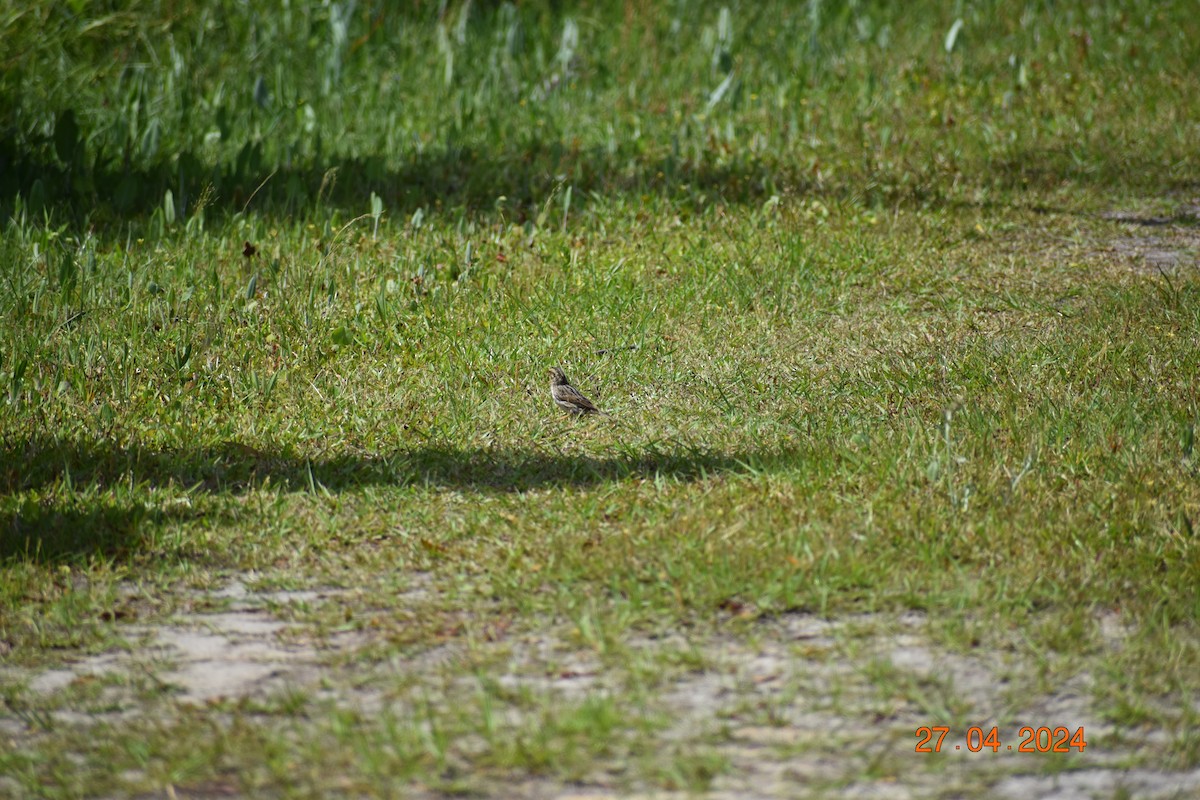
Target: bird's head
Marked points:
557	376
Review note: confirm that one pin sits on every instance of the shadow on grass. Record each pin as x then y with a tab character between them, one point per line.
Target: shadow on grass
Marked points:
1051	167
472	179
234	468
464	177
54	532
51	533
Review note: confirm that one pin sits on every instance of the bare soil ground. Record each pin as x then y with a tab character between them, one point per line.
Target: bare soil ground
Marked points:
794	706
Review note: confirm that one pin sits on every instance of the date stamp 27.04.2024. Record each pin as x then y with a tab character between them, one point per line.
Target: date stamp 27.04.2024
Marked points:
932	739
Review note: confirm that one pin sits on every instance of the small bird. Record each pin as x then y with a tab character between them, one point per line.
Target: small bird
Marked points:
567	396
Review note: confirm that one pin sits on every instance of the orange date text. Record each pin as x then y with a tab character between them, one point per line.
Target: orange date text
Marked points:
933	739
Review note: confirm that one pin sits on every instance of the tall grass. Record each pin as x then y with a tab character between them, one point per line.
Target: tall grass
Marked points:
109	112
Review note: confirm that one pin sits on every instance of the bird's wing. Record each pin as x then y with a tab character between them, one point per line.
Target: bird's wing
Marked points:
578	399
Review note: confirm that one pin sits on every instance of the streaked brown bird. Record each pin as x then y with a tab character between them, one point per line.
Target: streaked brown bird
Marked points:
567	397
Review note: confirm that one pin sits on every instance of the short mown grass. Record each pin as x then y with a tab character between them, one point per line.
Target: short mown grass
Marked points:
279	289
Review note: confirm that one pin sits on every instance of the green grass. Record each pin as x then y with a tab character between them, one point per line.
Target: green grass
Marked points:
866	343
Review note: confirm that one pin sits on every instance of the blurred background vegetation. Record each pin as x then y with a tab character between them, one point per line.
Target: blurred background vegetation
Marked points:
115	111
